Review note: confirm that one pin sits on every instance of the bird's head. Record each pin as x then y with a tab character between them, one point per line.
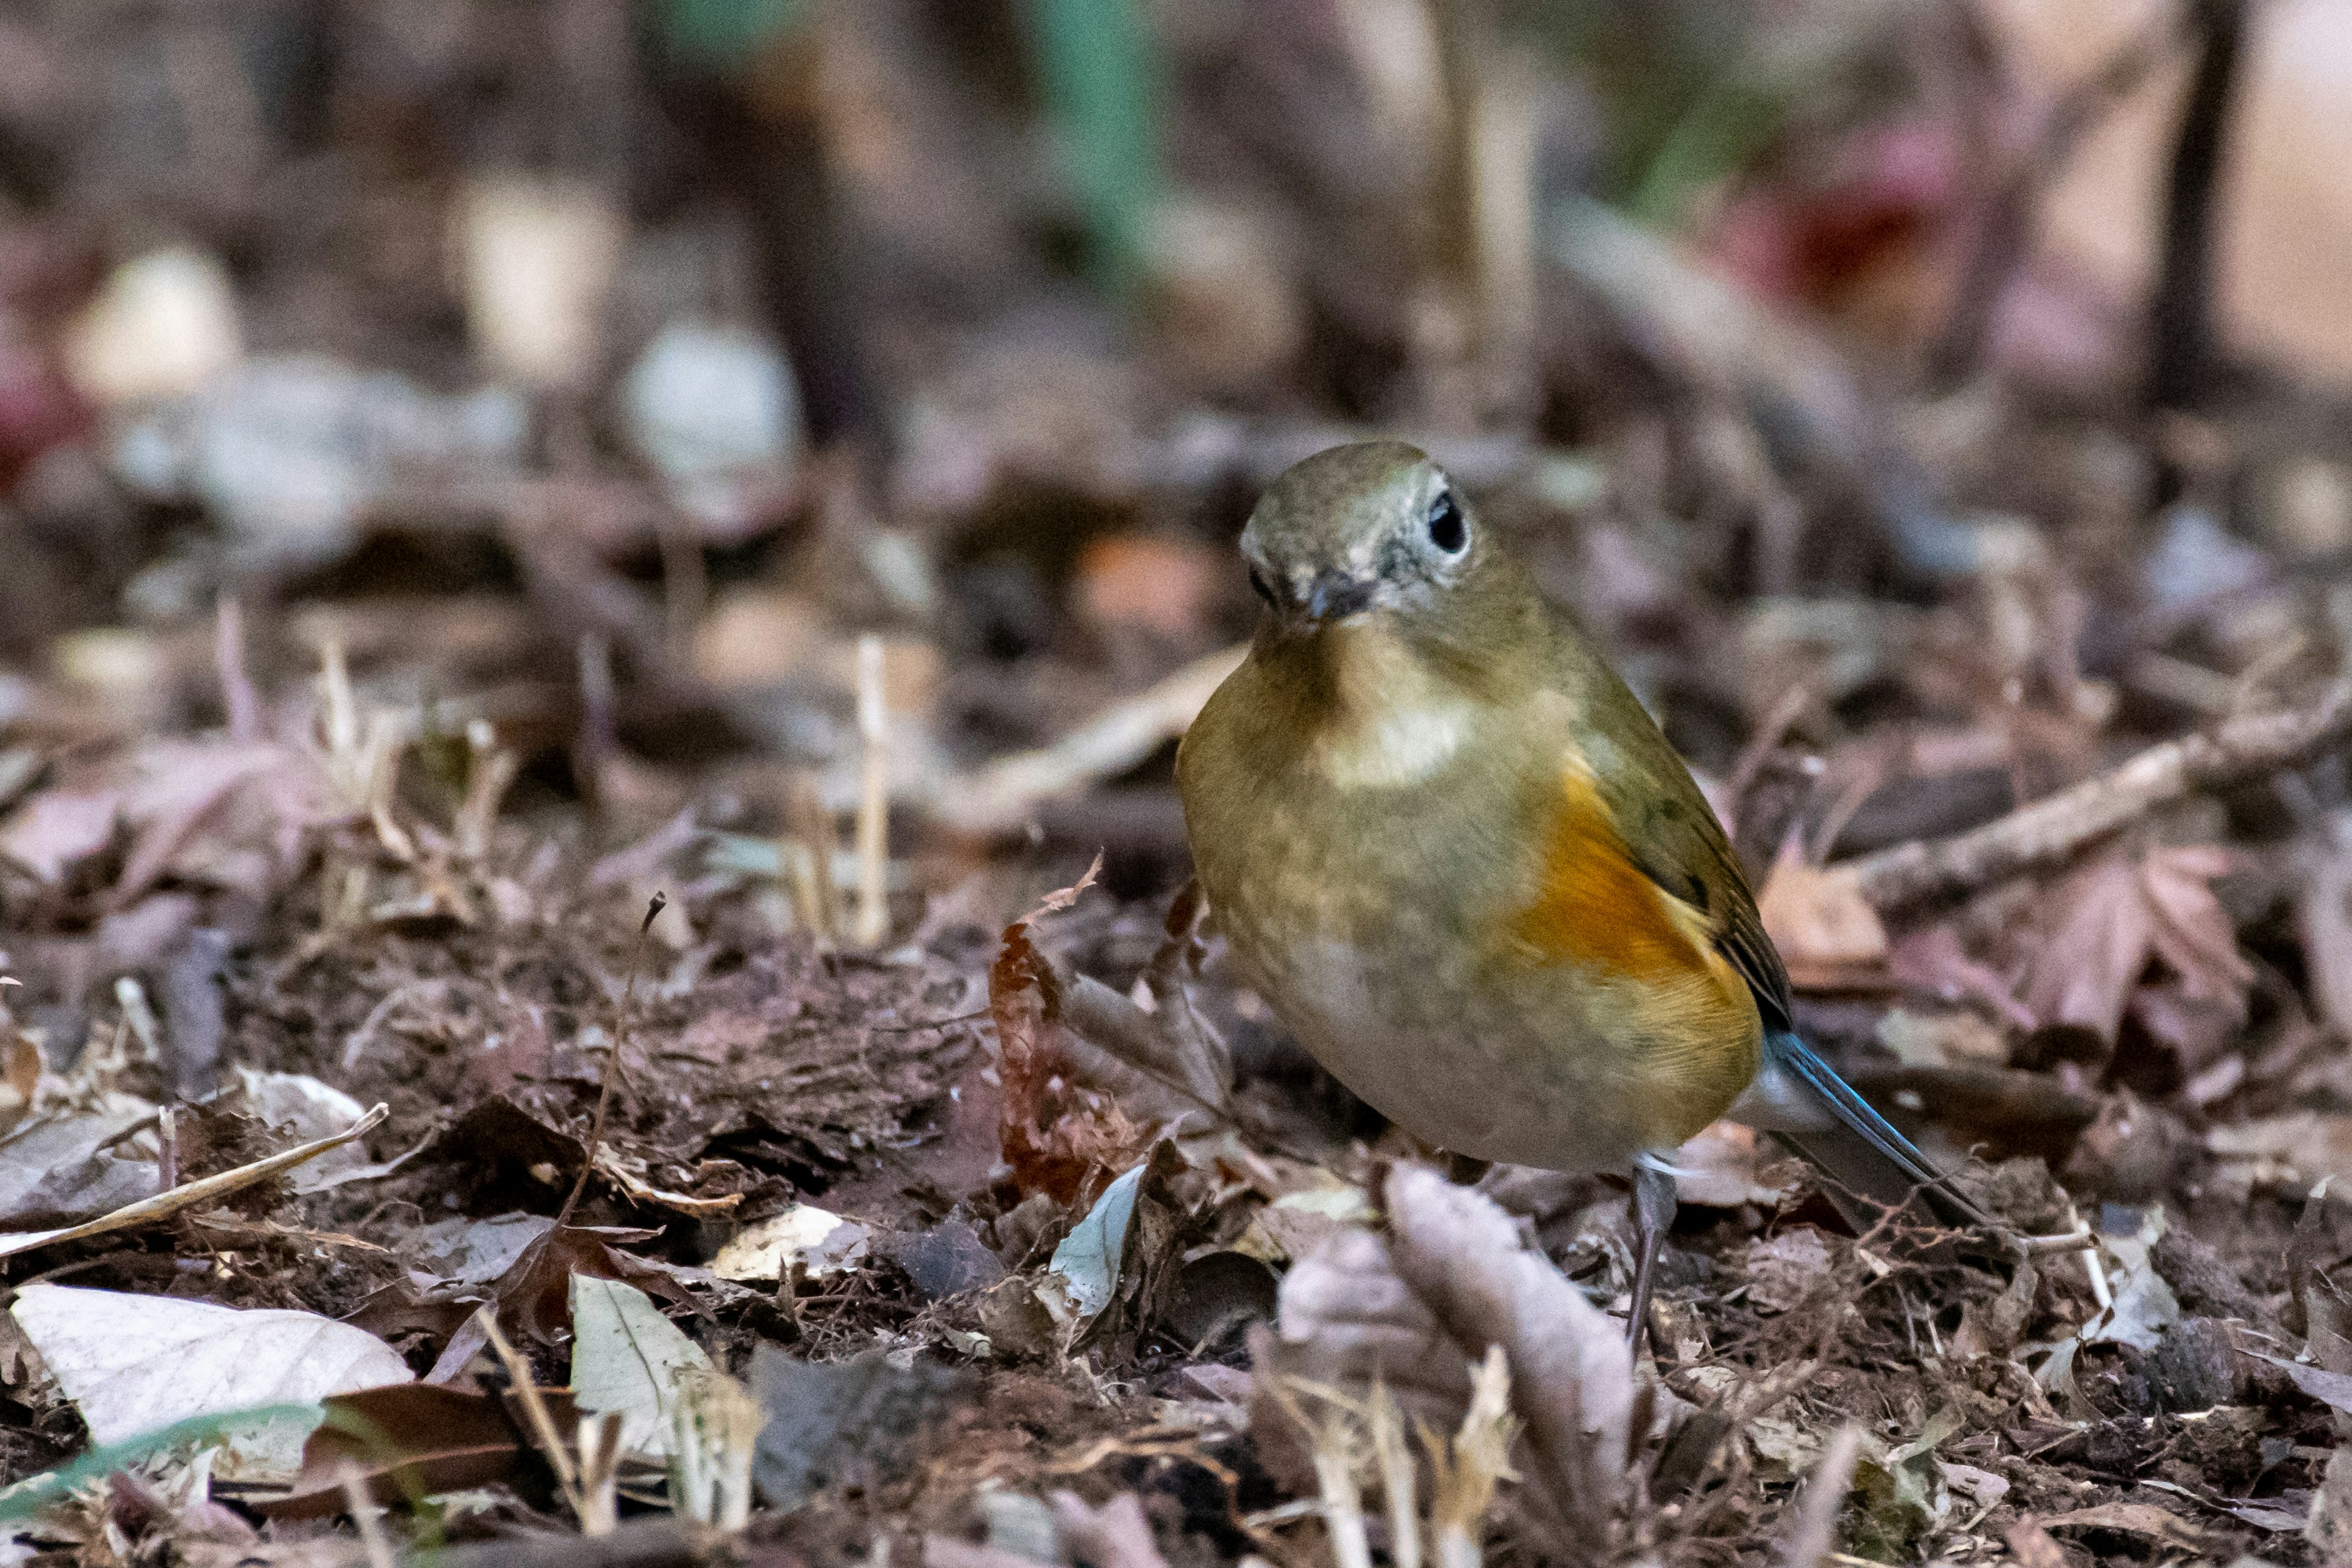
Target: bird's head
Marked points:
1365	530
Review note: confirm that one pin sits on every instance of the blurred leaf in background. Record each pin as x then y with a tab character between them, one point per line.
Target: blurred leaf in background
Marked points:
714	33
1099	72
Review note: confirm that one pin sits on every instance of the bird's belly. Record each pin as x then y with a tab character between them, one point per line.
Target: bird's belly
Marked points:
1521	1075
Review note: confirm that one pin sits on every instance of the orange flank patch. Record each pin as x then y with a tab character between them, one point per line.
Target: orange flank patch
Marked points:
1597	909
1660	993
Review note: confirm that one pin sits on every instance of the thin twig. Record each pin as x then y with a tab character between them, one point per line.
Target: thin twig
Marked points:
999	798
364	1513
542	1423
2238	750
873	799
238	696
623	1016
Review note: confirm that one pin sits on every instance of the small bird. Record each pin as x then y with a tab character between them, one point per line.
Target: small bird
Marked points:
1460	862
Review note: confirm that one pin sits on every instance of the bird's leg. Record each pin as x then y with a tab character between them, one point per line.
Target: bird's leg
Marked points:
1653	1215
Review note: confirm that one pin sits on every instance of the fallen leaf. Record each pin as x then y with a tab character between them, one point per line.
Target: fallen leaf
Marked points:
2110	919
627	1357
759	1254
1415	1311
1785	1271
57	830
1089	1077
1826	932
1932	962
407	1441
132	1363
1088	1259
68	1164
476	1251
534	1294
2333	1389
201	1193
2141	1518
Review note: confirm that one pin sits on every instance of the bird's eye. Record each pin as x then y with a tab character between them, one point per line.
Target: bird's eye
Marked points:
1448	530
1258	586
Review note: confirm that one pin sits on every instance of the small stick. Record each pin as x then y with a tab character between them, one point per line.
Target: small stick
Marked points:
1395	1462
999	798
873	799
622	1015
364	1513
237	695
599	733
2239	749
535	1408
2180	319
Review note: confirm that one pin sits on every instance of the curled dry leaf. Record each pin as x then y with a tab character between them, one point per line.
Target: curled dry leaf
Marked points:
1418	1309
405	1441
1090	1078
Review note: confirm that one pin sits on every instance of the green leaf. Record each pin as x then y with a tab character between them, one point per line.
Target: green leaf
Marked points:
719	32
1101	80
34	1494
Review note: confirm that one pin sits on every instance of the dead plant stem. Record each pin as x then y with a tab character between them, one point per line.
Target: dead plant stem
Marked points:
623	1016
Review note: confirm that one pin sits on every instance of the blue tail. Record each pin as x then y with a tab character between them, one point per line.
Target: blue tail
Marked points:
1850	1141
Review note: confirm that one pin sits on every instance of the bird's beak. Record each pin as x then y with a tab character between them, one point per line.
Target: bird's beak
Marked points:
1336	596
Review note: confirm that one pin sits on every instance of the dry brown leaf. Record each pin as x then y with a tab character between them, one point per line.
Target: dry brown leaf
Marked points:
2110	919
1933	961
1091	1080
1785	1269
2141	1518
1415	1311
1827	933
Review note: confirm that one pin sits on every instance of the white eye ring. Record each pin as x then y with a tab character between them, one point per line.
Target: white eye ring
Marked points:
1447	528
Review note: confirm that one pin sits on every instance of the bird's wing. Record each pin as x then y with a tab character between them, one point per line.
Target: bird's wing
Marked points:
1672	836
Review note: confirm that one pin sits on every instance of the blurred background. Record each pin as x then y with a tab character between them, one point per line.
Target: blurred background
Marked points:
602	373
467	466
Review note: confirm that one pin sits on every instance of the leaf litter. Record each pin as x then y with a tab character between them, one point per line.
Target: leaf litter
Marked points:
872	1204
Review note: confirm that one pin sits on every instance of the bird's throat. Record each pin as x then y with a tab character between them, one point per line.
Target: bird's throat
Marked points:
1387	718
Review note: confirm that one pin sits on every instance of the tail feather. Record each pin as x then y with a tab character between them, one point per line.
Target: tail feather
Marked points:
1857	1147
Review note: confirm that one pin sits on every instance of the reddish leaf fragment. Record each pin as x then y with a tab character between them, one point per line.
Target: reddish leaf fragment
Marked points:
1055	1134
2114	916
